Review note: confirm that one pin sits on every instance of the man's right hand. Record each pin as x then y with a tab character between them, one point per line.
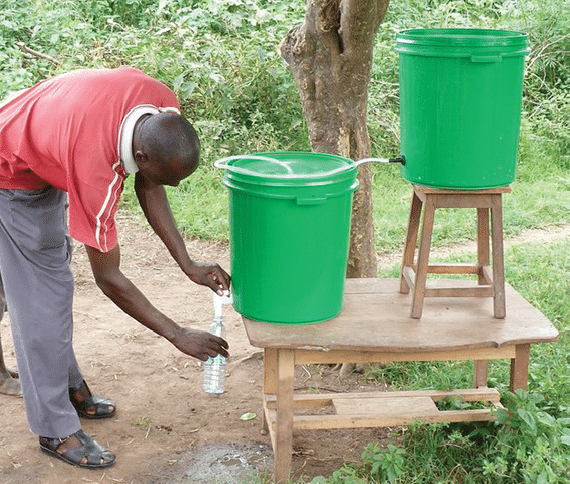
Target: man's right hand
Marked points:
114	284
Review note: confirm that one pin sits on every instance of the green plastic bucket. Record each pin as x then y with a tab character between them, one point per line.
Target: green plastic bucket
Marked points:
289	216
460	105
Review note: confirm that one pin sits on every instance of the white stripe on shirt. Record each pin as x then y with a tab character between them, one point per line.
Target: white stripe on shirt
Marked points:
106	209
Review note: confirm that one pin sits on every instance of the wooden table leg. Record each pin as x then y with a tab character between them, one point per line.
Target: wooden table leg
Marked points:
284	426
480	373
519	367
269	379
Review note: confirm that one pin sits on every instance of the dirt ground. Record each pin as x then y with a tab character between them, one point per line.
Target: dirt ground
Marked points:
164	422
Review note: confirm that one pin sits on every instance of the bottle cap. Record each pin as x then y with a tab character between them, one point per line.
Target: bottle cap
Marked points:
219	301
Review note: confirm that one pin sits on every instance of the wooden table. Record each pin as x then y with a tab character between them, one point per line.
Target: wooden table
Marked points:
375	326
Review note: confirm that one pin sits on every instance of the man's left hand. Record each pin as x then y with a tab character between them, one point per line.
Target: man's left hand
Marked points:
199	344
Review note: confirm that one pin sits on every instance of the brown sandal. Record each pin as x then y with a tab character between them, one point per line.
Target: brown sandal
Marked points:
90	455
83	401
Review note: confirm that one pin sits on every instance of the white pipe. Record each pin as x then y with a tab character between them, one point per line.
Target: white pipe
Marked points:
223	164
370	160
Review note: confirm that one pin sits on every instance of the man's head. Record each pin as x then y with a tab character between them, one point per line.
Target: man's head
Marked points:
166	148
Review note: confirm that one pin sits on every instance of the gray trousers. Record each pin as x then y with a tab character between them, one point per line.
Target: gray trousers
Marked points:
35	255
2	300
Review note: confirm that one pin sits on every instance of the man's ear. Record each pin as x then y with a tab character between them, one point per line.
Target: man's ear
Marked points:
140	157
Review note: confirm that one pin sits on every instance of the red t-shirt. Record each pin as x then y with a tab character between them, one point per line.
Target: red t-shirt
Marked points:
64	132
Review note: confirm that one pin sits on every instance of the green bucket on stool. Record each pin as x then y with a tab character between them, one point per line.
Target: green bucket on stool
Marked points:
460	105
289	218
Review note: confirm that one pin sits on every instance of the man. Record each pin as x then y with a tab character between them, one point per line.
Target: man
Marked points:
68	143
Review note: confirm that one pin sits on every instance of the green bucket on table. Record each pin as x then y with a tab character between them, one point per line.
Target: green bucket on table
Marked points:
460	105
289	216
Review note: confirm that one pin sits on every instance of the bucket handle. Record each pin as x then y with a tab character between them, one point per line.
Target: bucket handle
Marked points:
311	201
223	164
480	59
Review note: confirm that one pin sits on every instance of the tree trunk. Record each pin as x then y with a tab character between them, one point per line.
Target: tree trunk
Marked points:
330	56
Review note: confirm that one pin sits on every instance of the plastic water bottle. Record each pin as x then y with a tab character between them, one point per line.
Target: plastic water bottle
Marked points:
215	368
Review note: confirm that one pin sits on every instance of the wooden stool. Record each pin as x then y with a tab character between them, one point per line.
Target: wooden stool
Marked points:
491	283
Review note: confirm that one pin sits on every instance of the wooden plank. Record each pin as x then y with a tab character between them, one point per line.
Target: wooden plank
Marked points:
373	414
423	189
376	317
464	201
312	357
460	291
455	268
324	422
303	400
385	407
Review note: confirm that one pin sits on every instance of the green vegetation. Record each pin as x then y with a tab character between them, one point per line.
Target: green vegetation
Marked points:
220	57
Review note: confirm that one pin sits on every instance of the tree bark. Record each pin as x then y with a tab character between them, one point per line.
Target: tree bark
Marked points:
330	55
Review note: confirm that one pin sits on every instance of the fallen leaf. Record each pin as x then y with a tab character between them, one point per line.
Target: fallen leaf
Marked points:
248	416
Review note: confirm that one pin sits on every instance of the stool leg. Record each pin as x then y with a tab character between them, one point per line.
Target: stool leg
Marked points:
411	241
498	261
483	250
423	258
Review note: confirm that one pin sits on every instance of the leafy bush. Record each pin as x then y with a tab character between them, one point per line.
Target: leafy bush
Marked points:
525	444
